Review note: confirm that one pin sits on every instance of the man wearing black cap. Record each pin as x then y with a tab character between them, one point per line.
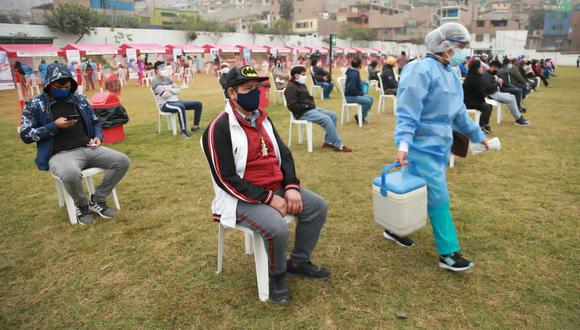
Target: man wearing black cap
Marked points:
256	185
68	138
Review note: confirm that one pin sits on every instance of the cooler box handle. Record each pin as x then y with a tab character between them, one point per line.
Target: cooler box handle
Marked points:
384	172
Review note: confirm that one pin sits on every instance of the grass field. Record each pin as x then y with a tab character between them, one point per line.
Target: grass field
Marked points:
154	265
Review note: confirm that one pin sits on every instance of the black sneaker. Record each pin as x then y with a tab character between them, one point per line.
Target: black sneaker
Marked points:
523	110
279	292
402	241
455	262
308	269
101	209
197	129
84	216
521	122
356	119
186	135
486	129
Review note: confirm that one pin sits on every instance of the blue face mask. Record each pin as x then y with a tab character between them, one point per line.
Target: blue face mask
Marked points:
60	93
510	66
250	100
459	57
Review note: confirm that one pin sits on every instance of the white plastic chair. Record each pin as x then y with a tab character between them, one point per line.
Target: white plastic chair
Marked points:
64	199
300	123
171	117
32	82
346	106
499	108
315	87
384	97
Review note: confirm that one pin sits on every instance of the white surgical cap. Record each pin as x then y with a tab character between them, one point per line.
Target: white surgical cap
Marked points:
444	37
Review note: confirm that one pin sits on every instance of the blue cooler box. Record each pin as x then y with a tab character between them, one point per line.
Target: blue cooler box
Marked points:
400	201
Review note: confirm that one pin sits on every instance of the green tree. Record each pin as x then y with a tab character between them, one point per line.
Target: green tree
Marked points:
73	19
536	20
128	22
258	28
286	9
283	29
354	32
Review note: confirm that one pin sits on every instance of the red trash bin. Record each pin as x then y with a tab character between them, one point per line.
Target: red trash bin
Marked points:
264	93
107	103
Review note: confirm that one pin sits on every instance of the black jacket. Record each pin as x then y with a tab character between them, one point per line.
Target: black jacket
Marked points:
473	89
490	84
298	99
319	74
388	78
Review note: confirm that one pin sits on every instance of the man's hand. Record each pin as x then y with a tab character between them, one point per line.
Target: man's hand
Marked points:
402	158
62	123
94	143
279	204
294	201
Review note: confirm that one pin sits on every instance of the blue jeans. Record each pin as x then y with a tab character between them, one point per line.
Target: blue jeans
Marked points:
365	100
515	91
327	87
326	119
179	107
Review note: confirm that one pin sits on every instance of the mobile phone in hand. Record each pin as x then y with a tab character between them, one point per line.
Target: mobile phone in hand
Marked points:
72	117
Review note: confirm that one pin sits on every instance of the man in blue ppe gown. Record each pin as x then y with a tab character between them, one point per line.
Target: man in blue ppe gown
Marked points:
429	107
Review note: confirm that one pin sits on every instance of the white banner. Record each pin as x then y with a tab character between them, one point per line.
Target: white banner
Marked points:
73	55
6	81
176	52
101	52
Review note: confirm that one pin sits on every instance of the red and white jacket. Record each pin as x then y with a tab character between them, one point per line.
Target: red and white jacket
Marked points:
226	148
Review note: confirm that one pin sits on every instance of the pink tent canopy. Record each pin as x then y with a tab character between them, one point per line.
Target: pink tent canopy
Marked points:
253	49
221	48
279	49
185	48
320	49
96	49
143	48
14	51
367	50
337	50
348	50
300	49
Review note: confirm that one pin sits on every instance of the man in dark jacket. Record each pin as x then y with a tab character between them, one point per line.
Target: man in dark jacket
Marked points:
256	185
68	138
474	96
353	90
302	106
506	86
491	88
388	77
321	77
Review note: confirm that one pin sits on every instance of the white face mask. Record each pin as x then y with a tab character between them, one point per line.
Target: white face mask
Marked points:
301	80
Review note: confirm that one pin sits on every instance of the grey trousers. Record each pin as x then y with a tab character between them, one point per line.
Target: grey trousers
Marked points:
67	165
267	221
511	101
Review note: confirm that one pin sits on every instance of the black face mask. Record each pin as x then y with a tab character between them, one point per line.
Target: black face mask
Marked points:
493	72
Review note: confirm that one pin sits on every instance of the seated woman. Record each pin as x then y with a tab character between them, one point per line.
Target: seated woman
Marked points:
388	76
281	76
373	71
353	90
474	96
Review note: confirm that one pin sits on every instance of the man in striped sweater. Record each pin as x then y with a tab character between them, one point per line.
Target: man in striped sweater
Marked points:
256	185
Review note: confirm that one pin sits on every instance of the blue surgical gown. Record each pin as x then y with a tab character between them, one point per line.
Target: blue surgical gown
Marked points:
429	107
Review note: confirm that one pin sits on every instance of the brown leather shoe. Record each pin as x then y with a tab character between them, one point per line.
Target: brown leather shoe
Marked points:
343	149
328	145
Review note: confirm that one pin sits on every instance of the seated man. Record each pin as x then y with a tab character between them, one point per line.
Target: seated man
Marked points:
507	87
491	88
353	90
166	94
256	185
518	79
388	77
321	77
373	71
474	94
302	105
68	139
